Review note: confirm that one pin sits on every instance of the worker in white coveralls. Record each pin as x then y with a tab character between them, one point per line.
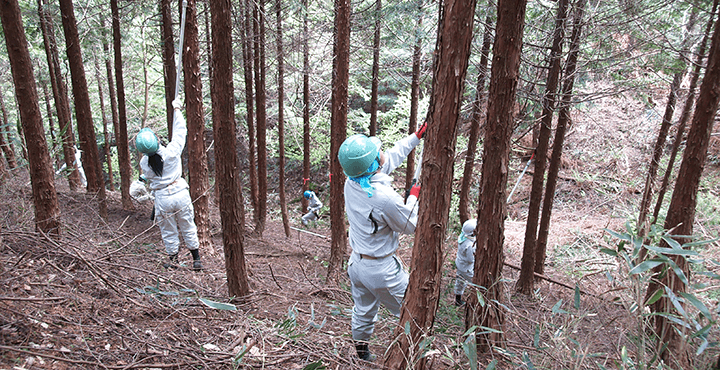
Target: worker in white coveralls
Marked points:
314	205
377	214
162	167
465	259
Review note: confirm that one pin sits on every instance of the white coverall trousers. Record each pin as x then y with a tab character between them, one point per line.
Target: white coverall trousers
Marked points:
374	281
462	278
174	212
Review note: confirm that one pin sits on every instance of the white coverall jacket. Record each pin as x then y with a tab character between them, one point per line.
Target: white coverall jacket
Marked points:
173	206
376	273
465	263
314	205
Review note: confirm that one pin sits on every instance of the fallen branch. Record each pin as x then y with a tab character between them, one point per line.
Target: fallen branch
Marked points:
541	276
32	299
311	233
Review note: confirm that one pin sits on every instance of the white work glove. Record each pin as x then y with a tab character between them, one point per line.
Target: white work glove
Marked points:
177	104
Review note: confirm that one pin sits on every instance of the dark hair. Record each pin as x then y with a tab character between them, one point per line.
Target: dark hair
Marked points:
156	163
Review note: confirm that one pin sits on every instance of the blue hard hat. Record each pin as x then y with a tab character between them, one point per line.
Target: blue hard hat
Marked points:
357	153
146	141
308	194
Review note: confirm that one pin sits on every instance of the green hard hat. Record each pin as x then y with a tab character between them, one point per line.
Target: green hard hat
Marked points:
357	153
146	141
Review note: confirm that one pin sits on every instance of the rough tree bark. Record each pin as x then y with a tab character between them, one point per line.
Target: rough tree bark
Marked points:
414	96
681	212
423	293
59	89
7	148
260	111
563	121
478	105
121	135
111	92
197	159
338	133
525	283
375	69
232	210
83	111
281	121
51	125
168	54
250	67
493	183
47	210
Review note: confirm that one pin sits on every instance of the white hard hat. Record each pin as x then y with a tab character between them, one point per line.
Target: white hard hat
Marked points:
468	227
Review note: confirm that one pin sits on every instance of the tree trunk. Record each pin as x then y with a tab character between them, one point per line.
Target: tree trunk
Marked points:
685	115
281	122
168	54
493	183
83	112
414	97
260	102
338	132
251	67
375	69
51	125
525	283
197	159
111	93
59	89
478	108
232	210
563	121
452	51
681	212
121	135
106	136
642	223
47	210
6	146
306	106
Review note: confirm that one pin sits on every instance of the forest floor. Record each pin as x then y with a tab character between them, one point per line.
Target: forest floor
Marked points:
99	297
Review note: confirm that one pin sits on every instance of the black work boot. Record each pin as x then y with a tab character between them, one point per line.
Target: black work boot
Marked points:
172	263
458	300
363	352
197	265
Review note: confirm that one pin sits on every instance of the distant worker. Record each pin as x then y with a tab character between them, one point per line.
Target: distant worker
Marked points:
465	260
314	205
79	165
162	167
377	214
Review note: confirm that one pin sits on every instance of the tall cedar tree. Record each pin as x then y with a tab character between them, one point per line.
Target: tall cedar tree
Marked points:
658	150
232	210
106	135
414	96
525	283
250	66
47	210
260	111
306	105
685	115
121	134
493	183
4	174
281	121
6	140
197	159
375	69
60	94
475	120
681	212
83	111
563	122
423	293
338	133
111	87
51	123
168	55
